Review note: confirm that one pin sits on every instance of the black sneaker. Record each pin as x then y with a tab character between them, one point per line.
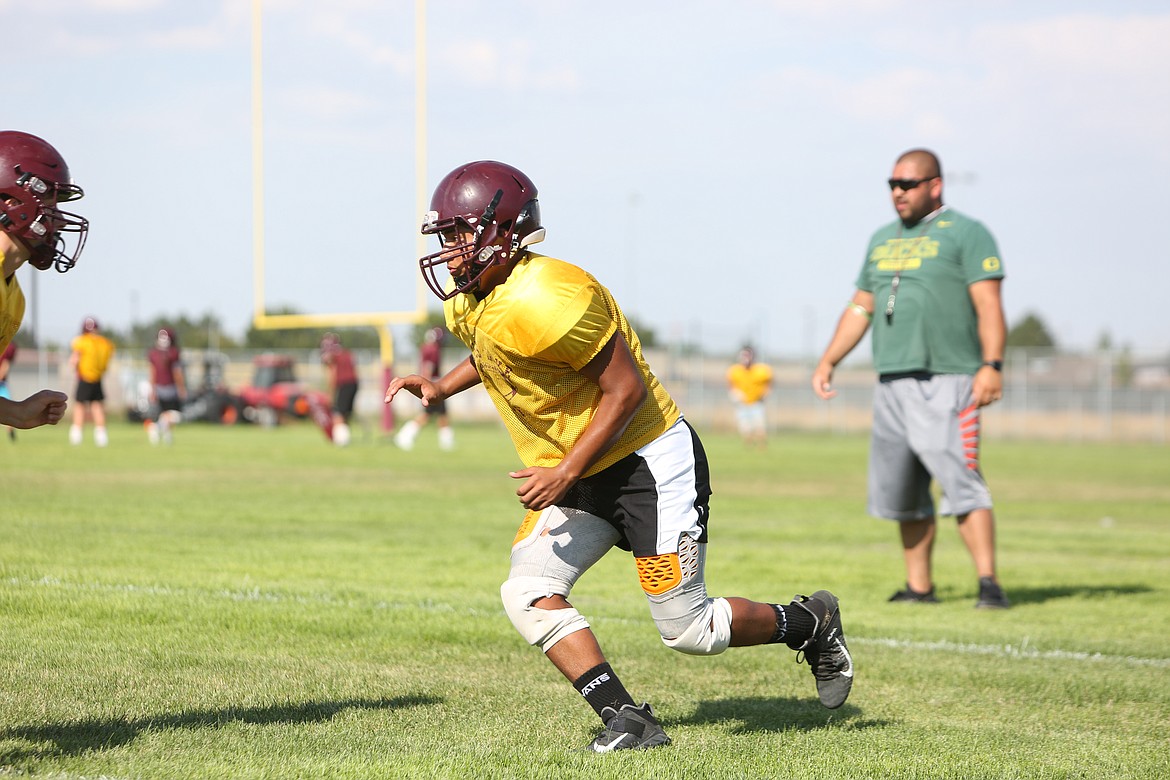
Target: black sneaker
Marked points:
825	651
914	596
991	595
629	728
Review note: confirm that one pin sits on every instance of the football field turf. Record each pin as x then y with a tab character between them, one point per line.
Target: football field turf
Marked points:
253	603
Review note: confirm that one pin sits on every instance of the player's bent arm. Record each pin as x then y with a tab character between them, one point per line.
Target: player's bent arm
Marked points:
851	328
622	392
460	378
456	380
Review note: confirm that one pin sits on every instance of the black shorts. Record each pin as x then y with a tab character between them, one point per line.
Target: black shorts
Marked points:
652	495
343	399
168	398
89	391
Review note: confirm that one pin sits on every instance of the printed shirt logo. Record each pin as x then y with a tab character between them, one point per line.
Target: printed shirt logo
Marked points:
990	264
500	373
904	254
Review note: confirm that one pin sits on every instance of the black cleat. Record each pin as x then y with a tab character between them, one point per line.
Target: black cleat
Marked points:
991	595
825	651
629	728
914	596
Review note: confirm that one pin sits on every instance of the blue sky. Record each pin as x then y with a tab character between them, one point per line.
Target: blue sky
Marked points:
719	165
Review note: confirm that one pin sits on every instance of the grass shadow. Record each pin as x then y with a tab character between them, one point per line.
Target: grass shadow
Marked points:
78	737
759	713
1050	593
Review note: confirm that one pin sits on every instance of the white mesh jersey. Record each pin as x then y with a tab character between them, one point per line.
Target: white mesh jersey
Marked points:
530	337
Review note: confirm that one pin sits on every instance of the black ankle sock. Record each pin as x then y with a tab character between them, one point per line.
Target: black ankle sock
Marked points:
781	625
801	625
602	688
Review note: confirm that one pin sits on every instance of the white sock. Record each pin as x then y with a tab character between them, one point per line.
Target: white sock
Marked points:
405	436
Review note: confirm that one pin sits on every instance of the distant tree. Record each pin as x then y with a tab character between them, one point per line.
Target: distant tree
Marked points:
1124	369
206	332
434	319
646	334
306	338
25	338
1030	332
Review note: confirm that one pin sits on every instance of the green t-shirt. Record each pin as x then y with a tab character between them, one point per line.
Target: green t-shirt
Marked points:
933	326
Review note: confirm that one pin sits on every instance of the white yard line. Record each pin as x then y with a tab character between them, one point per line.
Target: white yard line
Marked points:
1024	650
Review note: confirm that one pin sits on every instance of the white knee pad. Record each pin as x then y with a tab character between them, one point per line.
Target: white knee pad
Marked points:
708	634
544	627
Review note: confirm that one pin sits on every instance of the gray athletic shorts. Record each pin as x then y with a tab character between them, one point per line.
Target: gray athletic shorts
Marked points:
923	429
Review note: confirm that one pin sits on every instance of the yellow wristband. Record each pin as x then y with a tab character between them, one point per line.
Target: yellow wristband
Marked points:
857	308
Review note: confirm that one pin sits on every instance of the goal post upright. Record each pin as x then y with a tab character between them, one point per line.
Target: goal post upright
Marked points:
381	321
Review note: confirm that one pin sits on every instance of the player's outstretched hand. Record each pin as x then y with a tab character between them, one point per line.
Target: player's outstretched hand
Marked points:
420	387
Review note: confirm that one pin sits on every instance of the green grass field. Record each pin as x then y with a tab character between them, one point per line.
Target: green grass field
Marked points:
253	603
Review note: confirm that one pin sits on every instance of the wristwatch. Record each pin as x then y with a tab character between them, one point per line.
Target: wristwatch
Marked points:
996	364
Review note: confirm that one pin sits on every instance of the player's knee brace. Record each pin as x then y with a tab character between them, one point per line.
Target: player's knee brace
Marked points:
543	627
687	620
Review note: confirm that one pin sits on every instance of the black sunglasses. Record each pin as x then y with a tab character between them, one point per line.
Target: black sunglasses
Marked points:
907	184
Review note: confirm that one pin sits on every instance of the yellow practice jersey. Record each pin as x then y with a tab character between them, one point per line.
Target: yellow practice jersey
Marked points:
752	381
93	355
11	309
529	339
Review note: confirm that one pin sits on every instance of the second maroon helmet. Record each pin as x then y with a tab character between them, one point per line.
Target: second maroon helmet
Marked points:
492	202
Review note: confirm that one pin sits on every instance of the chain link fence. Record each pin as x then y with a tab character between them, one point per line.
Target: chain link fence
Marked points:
1099	396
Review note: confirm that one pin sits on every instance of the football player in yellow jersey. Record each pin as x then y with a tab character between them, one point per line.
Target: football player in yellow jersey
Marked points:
608	460
89	360
749	383
33	180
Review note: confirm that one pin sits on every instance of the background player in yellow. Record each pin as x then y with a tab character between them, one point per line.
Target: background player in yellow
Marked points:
89	360
749	383
34	178
608	460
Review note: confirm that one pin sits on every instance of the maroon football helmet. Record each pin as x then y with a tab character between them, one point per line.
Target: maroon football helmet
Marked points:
497	205
33	180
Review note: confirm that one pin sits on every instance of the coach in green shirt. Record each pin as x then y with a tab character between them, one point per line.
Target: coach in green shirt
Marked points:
930	287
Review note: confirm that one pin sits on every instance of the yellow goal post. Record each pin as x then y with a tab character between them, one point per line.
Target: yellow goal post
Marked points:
381	321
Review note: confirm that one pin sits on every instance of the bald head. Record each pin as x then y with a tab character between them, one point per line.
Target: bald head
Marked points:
923	160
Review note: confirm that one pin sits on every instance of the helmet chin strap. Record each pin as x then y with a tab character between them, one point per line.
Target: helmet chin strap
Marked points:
486	255
489	215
